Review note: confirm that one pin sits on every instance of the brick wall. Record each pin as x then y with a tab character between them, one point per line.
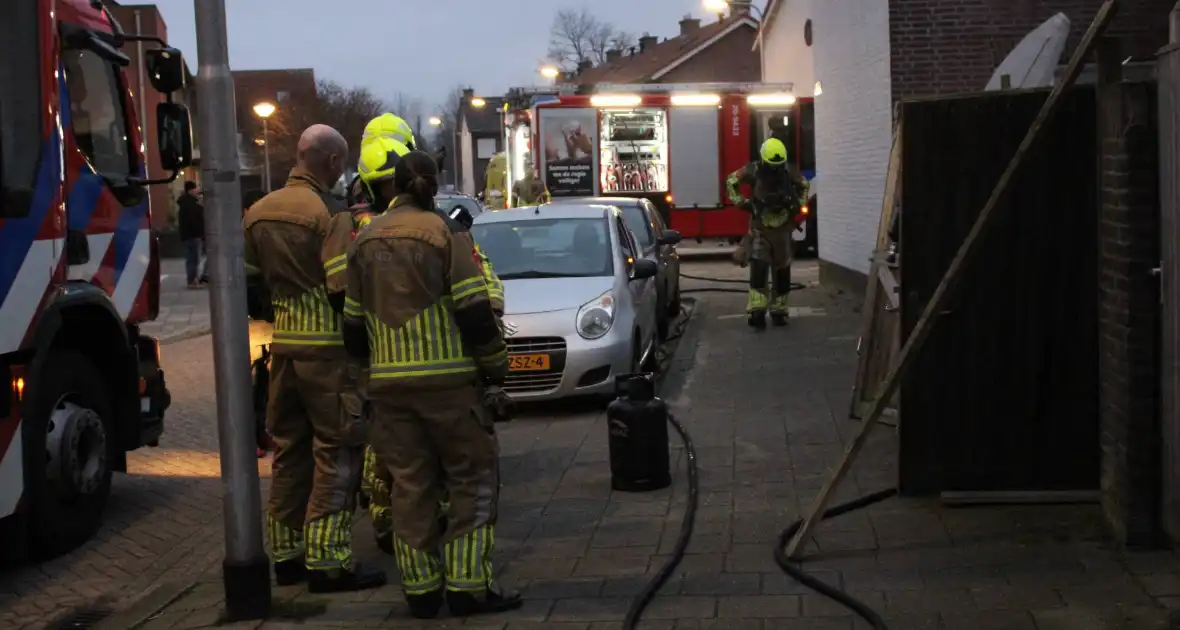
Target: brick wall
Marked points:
732	58
1129	314
948	46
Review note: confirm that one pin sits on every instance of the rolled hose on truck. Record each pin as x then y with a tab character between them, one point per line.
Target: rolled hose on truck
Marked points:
792	569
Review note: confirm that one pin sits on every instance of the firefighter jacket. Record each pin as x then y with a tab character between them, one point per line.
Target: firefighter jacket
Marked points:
495	285
298	250
418	306
779	193
530	191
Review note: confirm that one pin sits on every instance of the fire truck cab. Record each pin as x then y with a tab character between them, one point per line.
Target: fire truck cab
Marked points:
79	266
674	144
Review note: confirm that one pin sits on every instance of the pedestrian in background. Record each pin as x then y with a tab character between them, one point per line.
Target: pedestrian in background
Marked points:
297	248
191	215
414	273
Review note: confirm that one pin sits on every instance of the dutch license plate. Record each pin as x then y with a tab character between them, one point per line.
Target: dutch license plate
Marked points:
528	362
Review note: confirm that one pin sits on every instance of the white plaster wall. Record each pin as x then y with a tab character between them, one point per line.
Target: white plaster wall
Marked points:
853	119
786	56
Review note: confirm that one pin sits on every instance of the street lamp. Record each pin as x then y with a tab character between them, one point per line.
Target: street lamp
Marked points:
550	72
265	110
435	121
715	6
478	102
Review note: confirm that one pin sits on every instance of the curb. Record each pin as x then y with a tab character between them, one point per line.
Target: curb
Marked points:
148	606
185	335
675	376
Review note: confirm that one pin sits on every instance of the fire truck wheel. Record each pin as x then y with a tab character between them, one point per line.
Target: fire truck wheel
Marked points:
70	430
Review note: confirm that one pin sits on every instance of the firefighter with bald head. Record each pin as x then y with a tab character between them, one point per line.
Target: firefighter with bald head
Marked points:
415	274
776	209
295	256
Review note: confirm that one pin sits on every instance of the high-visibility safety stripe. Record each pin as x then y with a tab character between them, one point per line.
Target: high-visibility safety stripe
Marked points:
252	270
329	542
756	301
308	319
352	308
421	570
468	287
285	543
336	265
428	344
469	560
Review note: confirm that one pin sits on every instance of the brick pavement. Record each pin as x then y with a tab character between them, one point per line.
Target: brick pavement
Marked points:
768	420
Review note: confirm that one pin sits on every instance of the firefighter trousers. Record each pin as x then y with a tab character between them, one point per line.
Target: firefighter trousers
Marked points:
770	260
440	446
316	420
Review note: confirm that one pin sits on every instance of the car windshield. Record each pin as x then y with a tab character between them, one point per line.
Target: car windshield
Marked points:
636	220
547	248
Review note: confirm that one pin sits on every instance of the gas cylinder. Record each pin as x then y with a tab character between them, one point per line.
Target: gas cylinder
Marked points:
638	424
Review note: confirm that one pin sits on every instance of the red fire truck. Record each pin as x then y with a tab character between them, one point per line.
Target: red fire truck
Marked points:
79	266
674	144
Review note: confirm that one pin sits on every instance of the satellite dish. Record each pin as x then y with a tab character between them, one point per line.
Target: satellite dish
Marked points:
1032	63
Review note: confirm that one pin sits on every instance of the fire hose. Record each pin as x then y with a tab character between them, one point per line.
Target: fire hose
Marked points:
792	569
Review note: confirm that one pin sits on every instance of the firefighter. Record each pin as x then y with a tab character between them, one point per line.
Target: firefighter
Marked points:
530	191
386	126
297	251
417	275
776	209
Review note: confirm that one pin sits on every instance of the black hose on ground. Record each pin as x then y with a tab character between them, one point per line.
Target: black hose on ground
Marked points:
861	609
795	286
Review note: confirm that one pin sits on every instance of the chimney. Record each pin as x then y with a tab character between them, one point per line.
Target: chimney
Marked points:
737	7
647	41
689	24
468	94
614	54
585	65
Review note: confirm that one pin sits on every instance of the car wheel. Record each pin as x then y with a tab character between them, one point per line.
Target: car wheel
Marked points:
70	444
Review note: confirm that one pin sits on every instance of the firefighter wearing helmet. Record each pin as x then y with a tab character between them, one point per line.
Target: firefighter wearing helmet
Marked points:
776	209
375	177
386	126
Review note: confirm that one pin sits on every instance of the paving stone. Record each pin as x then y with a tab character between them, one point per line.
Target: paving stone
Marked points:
759	606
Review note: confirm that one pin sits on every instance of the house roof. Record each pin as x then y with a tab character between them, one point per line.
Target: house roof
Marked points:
663	57
769	12
484	119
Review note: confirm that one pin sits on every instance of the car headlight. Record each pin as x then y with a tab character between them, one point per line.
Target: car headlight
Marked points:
596	316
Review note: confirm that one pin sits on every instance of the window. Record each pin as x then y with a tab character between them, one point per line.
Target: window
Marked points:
21	115
96	112
546	248
658	218
635	218
282	96
627	242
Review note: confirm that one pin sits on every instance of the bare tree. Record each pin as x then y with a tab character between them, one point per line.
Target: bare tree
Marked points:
445	134
346	109
578	35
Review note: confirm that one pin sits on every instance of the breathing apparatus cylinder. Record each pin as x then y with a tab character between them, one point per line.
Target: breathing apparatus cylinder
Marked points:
638	425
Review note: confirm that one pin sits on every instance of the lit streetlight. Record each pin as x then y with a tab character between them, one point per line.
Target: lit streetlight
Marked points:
550	72
265	110
715	6
478	102
435	121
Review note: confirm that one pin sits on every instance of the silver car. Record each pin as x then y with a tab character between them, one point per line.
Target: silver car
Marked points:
579	297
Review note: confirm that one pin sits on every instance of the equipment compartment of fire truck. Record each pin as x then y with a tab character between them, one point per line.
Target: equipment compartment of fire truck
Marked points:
674	144
79	265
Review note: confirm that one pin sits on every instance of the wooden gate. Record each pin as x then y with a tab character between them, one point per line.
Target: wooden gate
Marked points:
1004	397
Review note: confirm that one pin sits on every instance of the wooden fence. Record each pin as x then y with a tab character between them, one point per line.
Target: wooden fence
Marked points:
1004	397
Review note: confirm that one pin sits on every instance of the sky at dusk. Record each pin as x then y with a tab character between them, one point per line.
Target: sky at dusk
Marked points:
420	48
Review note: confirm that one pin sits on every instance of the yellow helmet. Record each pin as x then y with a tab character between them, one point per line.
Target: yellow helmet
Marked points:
774	152
389	126
378	157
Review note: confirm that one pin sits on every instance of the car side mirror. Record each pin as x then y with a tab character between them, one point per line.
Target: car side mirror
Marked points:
174	136
165	68
643	268
670	237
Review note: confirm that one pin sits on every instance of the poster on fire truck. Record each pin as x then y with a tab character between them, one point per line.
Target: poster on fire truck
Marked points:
568	138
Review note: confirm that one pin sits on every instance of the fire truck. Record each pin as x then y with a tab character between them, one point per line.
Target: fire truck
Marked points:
79	266
674	144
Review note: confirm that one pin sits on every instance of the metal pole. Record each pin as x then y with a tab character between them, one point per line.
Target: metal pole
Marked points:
455	158
246	568
266	152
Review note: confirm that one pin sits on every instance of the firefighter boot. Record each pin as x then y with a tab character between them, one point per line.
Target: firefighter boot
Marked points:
756	319
342	579
782	288
470	587
757	301
492	600
329	557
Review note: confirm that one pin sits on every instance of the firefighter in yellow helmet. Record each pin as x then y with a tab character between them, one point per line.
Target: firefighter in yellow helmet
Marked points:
295	256
415	274
776	209
387	126
375	174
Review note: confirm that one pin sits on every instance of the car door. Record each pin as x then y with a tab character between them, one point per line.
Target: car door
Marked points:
638	220
668	257
642	292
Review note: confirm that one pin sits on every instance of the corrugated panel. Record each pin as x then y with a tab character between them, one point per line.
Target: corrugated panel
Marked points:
694	169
